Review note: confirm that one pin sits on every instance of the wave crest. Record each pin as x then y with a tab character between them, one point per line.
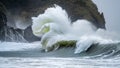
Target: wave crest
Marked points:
56	28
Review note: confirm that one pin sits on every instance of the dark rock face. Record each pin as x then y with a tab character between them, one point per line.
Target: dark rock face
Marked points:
77	9
23	10
8	33
28	35
3	21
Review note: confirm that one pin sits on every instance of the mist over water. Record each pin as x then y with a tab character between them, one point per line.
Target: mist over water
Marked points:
56	26
91	48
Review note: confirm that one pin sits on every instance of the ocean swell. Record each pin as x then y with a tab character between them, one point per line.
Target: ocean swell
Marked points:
56	30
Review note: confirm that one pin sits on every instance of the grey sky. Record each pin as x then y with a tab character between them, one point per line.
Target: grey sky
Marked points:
111	10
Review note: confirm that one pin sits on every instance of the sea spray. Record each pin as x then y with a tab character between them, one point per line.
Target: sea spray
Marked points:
52	17
55	26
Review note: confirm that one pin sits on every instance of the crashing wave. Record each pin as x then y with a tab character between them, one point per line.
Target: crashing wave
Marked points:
57	30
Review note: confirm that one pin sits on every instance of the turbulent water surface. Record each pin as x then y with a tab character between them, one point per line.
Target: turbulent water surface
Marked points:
29	55
91	47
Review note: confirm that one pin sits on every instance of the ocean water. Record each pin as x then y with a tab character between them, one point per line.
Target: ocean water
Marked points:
30	55
15	62
54	26
94	48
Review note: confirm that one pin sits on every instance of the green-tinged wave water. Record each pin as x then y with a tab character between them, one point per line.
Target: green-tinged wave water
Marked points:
63	44
57	30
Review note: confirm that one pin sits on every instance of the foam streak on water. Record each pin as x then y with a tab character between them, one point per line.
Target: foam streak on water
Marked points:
29	55
13	46
92	47
57	63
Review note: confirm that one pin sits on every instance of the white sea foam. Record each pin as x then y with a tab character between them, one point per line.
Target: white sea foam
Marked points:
13	46
55	25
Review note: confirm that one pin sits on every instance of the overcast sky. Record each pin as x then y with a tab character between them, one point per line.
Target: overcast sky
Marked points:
111	10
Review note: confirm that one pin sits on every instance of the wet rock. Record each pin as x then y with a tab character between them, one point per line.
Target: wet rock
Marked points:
8	33
22	10
77	9
28	35
3	21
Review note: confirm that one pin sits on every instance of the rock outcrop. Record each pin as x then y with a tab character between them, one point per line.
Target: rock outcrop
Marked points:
23	10
3	21
77	9
8	33
30	37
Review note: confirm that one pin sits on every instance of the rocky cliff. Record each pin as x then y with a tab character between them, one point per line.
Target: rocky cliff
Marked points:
23	10
3	21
